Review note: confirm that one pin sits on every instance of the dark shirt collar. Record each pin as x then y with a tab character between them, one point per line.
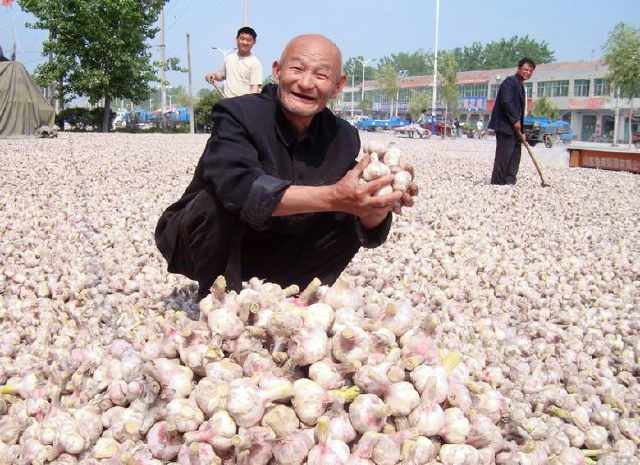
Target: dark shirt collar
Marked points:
320	124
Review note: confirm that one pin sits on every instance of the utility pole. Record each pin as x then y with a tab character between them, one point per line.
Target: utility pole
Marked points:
353	85
435	73
163	90
245	12
192	128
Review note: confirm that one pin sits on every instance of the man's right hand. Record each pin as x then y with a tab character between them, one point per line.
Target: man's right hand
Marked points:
352	196
211	77
517	127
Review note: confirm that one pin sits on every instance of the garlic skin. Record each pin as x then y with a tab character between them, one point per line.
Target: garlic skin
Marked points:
368	413
375	169
393	156
456	426
401	181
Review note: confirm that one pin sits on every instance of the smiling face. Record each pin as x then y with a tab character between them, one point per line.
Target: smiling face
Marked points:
525	71
245	43
308	75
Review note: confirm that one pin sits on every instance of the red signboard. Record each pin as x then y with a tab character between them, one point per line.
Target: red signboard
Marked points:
590	103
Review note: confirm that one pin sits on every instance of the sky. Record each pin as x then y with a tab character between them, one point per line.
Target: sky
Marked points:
575	30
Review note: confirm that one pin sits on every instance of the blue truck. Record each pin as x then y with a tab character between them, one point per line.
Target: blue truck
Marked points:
541	129
370	124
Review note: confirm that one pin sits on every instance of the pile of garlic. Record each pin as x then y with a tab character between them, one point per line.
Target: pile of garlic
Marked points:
264	376
385	160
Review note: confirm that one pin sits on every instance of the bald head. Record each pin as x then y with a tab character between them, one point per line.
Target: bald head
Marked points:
315	46
309	74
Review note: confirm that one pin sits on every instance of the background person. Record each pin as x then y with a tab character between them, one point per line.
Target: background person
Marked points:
507	119
276	193
242	71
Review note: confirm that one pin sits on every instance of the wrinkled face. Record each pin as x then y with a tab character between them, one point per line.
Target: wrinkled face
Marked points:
308	75
245	43
525	71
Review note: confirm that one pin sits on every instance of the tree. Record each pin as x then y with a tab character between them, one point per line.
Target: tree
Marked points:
353	67
622	55
544	107
203	108
387	77
449	86
420	101
99	47
505	53
416	63
366	105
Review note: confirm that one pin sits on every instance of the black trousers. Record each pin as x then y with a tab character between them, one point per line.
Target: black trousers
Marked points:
202	241
507	161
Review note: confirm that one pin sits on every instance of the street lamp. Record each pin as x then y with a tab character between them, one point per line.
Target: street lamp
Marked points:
435	72
353	85
364	63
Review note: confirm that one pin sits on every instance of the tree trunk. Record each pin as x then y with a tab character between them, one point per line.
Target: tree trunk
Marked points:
630	122
444	125
106	126
60	99
616	120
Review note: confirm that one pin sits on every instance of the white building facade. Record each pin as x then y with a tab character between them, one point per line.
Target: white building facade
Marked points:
579	90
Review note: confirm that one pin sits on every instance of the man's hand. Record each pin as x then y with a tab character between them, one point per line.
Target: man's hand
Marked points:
408	195
212	77
352	196
517	127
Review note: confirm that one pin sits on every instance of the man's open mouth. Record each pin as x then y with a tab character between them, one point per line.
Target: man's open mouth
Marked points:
304	97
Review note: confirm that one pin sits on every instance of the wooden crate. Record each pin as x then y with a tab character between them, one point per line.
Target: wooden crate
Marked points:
604	158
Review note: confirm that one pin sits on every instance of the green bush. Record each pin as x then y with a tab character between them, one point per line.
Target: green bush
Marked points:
82	119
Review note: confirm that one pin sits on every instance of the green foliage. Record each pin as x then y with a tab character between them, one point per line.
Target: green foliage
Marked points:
622	54
415	63
99	47
505	53
353	67
420	101
544	107
203	108
448	85
366	105
83	119
387	77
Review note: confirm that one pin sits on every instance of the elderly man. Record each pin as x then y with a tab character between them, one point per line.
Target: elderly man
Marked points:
276	192
507	121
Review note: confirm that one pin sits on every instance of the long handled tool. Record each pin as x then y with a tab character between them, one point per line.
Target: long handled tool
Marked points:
215	86
535	162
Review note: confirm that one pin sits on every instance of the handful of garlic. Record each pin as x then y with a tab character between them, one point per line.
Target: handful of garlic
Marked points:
386	160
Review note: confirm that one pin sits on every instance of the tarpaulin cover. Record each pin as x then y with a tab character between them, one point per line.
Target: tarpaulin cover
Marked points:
23	109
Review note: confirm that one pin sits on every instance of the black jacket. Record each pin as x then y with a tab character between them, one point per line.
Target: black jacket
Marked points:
509	106
252	157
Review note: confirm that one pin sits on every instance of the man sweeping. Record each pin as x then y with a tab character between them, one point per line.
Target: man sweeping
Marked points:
507	119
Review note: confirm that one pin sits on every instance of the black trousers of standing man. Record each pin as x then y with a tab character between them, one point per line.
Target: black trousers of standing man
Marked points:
507	161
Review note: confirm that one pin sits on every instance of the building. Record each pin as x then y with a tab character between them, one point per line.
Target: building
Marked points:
578	89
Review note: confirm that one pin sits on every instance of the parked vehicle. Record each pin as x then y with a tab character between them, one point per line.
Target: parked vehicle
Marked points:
541	129
370	124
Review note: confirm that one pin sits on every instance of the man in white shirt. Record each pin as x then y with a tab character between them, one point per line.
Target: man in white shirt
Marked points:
242	71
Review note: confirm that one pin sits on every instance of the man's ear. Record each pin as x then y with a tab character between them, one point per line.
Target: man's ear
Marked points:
275	71
342	81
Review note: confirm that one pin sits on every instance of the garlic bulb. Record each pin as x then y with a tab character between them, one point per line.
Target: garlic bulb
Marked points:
375	169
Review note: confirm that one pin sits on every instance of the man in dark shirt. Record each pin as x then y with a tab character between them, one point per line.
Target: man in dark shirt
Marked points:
276	192
507	119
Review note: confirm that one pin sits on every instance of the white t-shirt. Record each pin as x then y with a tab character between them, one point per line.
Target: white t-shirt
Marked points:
240	73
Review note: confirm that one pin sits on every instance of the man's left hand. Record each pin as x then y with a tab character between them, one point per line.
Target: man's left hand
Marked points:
411	192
